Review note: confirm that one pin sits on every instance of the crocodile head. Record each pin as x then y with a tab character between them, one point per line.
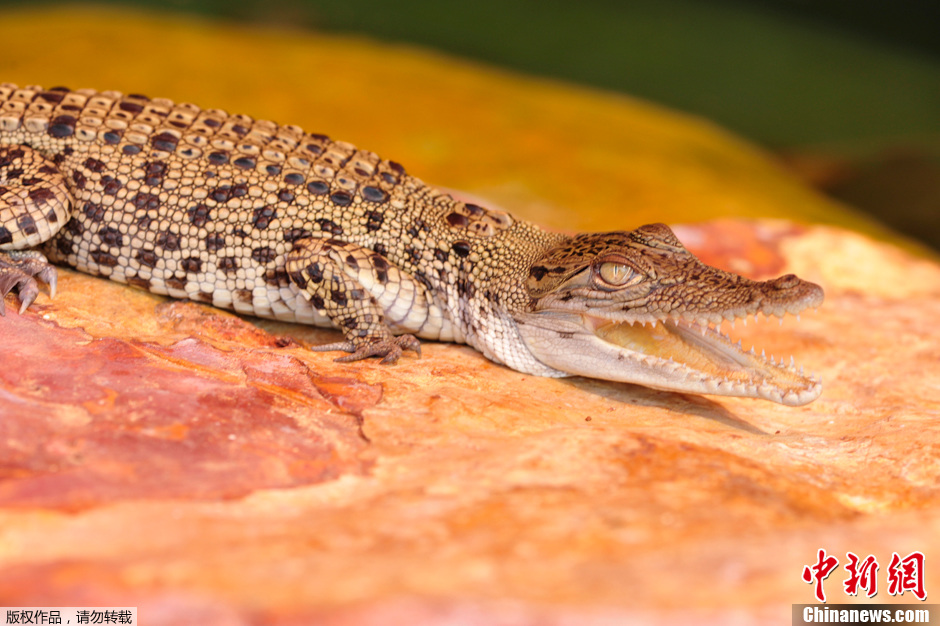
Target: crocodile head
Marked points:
638	307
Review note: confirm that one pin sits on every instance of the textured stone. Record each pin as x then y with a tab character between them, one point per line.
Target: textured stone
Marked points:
183	460
472	494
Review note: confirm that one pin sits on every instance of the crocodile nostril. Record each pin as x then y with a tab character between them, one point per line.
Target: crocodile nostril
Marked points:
786	282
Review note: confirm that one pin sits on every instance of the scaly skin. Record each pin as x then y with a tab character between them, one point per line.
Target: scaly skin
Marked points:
270	221
595	294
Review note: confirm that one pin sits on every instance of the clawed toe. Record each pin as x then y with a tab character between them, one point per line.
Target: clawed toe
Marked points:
389	349
345	346
389	352
409	342
49	276
19	271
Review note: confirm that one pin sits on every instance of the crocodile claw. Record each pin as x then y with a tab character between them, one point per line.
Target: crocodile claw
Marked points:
389	349
19	270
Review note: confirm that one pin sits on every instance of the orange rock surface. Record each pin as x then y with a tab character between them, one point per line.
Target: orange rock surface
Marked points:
210	469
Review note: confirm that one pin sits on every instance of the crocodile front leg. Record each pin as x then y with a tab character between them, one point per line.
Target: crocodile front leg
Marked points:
365	296
35	203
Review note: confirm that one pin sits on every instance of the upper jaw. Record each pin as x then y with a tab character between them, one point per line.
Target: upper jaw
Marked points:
720	296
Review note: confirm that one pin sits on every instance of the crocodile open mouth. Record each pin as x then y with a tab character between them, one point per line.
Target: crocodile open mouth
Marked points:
637	307
670	354
704	353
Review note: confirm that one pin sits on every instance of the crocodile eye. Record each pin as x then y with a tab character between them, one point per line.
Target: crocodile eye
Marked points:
617	274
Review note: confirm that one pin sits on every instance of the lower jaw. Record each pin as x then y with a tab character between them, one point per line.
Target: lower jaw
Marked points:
704	351
669	356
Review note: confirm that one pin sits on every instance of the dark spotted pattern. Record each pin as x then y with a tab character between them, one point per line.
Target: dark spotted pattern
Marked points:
228	264
105	259
169	241
154	172
263	254
164	141
27	224
262	217
111	236
318	188
214	242
251	212
62	126
198	215
40	195
461	249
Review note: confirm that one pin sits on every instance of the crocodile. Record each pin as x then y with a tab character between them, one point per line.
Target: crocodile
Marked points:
270	221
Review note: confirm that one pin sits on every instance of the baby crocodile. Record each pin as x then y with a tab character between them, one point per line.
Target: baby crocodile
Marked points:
271	221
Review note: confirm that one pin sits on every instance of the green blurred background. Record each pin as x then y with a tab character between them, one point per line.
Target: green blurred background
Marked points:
847	94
